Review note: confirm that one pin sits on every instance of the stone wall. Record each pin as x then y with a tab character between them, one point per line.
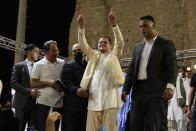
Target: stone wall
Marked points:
175	20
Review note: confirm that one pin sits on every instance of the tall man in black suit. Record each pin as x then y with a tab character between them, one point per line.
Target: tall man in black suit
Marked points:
24	98
151	76
75	98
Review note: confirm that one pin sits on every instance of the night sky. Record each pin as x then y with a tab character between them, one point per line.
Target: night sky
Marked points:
46	20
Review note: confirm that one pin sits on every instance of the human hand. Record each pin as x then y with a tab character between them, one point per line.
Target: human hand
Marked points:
123	96
112	17
82	92
80	21
185	109
189	113
35	93
168	94
56	87
8	104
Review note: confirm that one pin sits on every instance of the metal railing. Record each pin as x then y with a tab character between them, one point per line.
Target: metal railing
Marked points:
15	46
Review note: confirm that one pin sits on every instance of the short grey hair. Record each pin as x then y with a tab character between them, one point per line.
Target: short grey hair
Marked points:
47	44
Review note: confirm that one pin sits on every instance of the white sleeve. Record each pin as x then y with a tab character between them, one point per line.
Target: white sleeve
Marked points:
187	90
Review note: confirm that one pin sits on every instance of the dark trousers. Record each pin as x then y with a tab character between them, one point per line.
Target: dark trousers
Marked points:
74	120
148	114
148	111
27	115
42	114
193	119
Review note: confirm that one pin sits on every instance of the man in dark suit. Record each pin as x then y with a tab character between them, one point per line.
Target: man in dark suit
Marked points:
75	98
24	98
151	76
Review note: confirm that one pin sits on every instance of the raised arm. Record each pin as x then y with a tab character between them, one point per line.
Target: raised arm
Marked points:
81	37
118	39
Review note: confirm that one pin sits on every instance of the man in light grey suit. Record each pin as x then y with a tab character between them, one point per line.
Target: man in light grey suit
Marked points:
24	98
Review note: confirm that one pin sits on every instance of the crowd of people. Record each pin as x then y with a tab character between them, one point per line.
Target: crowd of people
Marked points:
178	105
85	90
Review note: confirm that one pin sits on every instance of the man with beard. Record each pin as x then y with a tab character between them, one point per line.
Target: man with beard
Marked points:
75	98
24	98
44	75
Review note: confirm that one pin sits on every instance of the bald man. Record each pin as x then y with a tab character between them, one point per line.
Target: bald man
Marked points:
75	98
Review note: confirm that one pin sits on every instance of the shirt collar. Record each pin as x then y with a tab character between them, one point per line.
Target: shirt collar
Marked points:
48	62
154	38
105	53
28	62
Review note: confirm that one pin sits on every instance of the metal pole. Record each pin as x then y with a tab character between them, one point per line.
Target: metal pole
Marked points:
21	26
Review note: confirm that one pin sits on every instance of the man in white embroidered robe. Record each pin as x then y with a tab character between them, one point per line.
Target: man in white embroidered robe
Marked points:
177	114
103	76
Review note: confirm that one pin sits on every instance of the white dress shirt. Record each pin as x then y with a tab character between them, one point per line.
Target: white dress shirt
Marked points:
47	71
102	93
142	75
187	86
30	66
